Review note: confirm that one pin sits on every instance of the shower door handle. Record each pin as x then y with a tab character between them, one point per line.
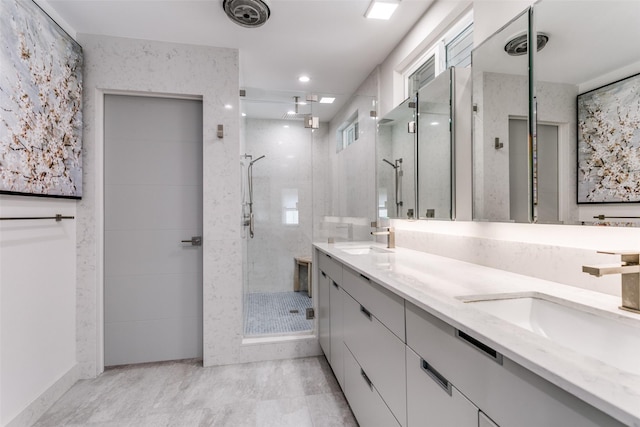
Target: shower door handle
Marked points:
195	241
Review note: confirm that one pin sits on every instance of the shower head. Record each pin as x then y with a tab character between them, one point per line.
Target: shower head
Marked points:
247	13
295	114
253	161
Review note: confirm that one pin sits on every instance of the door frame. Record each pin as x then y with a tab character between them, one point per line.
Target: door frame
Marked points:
99	208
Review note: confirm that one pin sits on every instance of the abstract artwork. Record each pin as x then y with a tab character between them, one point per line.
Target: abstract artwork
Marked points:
609	143
40	104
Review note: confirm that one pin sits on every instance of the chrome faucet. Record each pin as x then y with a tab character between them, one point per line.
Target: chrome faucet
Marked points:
630	271
391	236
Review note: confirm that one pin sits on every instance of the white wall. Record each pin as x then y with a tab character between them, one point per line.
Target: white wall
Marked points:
116	64
37	301
352	170
37	309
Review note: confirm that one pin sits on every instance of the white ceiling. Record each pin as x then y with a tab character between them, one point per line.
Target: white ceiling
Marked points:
585	42
329	40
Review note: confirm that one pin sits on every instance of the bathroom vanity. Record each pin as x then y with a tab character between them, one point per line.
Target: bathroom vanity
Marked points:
416	339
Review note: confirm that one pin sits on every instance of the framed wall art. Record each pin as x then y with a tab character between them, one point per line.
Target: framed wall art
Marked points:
40	104
609	143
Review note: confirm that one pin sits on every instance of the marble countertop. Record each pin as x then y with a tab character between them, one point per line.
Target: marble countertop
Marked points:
438	285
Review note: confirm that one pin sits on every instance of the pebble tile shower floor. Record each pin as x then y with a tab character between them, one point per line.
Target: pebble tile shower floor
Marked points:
295	392
276	313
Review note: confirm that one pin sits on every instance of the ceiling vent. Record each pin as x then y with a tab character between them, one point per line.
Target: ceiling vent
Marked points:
519	45
247	13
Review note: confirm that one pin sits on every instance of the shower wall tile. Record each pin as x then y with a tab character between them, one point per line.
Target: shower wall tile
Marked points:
286	169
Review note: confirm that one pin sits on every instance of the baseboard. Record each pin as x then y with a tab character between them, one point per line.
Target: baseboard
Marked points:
42	403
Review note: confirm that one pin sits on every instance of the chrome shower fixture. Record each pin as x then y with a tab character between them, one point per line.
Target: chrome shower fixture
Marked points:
247	13
519	45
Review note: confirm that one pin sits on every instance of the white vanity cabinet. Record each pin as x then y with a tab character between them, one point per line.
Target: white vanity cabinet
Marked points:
400	365
379	353
364	399
432	400
508	393
336	357
324	312
330	312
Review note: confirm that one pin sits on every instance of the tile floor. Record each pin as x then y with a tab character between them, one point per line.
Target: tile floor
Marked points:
276	313
295	392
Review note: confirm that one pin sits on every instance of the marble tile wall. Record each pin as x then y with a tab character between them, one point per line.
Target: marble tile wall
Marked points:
550	252
139	66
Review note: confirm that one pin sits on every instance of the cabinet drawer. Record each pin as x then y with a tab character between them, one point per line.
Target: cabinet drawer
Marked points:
330	266
384	304
336	295
365	401
379	352
508	393
324	313
432	400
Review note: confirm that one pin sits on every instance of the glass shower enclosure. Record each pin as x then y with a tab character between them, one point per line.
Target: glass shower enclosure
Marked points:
277	214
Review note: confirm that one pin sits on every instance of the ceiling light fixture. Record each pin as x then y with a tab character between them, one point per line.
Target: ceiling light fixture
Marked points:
381	9
327	100
304	79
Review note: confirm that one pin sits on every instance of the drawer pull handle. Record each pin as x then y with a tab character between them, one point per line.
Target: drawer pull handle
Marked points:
323	274
481	347
328	256
366	378
365	312
365	277
335	284
436	376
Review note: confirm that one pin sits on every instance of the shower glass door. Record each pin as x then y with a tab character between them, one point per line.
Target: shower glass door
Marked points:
276	162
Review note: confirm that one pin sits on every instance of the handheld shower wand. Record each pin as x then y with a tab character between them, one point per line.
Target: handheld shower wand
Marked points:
250	185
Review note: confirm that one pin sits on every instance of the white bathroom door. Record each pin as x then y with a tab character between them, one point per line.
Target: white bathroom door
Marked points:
153	202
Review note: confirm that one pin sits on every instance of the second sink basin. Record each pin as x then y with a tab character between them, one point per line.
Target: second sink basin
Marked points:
590	331
365	250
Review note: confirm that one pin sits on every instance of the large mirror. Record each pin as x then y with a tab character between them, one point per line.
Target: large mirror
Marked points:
435	148
587	124
395	162
501	169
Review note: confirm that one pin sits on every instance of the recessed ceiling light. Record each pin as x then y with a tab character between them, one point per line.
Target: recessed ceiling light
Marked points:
244	114
435	123
381	9
228	106
327	100
304	79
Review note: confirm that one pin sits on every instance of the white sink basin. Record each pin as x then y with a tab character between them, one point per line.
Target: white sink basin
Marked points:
587	330
365	250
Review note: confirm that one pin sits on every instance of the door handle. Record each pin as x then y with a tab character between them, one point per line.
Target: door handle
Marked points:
195	241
